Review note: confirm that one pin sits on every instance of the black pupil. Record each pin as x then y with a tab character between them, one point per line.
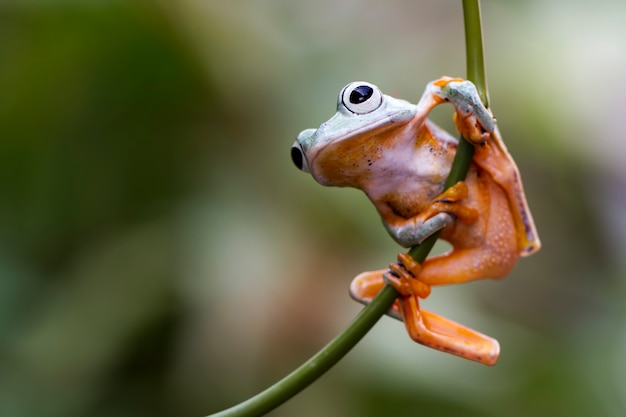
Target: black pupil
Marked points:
360	94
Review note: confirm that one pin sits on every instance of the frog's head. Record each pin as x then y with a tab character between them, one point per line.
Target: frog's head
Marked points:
344	148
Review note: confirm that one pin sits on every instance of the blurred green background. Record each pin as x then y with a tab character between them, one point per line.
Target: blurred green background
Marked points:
161	256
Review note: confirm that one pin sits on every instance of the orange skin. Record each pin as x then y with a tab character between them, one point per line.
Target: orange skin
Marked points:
401	161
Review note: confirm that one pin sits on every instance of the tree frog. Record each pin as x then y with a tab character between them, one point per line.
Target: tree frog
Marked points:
390	150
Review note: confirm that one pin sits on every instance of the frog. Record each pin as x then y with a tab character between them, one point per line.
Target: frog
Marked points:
389	148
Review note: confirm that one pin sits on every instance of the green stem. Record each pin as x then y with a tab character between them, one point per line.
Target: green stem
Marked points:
475	63
476	74
317	365
328	356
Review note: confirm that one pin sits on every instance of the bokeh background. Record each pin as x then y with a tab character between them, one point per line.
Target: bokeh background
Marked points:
160	255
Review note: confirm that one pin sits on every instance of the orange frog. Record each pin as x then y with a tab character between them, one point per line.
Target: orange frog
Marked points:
389	149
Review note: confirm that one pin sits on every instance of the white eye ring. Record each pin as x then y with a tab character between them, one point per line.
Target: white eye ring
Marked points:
361	98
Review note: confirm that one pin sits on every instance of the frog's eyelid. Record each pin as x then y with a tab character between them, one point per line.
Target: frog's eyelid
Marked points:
361	97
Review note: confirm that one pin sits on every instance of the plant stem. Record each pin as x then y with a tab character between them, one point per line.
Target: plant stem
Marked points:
317	365
476	74
475	62
327	357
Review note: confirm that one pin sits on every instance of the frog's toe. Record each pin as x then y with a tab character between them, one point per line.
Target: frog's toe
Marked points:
405	282
445	80
398	282
409	263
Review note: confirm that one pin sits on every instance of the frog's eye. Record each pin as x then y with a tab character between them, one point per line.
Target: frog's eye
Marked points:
361	98
297	156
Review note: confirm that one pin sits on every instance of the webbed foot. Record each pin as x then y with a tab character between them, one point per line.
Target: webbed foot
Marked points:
403	276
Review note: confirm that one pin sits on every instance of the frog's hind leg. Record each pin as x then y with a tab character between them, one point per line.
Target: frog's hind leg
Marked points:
477	125
437	332
491	254
367	285
426	328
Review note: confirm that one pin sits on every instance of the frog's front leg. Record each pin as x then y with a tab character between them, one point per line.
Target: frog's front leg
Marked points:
440	213
472	118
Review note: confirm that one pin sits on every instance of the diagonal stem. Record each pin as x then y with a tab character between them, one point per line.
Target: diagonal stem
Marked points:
476	74
328	356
